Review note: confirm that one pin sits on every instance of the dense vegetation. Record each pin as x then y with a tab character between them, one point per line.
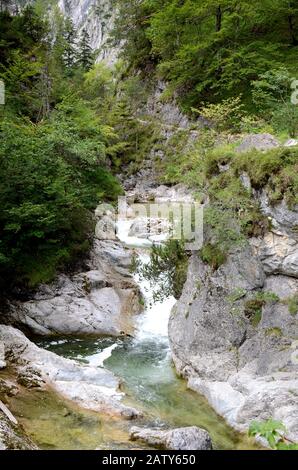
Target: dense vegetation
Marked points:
56	141
209	50
68	124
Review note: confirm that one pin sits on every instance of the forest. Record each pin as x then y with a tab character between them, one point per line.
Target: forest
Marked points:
69	124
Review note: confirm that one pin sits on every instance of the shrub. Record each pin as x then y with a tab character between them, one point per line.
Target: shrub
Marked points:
274	433
167	269
213	255
293	304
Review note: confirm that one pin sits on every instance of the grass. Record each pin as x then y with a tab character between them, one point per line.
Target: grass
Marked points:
293	305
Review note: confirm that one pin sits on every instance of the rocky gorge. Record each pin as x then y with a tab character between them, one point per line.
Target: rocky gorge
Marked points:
95	339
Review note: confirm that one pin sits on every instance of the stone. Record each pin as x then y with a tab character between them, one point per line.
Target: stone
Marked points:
190	438
291	143
278	253
247	372
149	227
90	387
12	437
101	301
260	142
2	356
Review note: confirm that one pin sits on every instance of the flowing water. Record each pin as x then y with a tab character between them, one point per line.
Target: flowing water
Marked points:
149	379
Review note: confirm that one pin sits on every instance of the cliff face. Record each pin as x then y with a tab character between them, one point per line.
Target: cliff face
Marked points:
233	332
97	17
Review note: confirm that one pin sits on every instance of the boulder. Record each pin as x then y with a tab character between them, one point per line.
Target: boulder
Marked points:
90	387
101	301
190	438
147	228
260	142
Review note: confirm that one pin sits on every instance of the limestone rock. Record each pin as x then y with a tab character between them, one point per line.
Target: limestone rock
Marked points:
12	437
101	301
261	142
2	356
245	371
90	387
190	438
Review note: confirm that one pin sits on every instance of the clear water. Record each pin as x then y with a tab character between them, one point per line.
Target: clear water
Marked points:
149	382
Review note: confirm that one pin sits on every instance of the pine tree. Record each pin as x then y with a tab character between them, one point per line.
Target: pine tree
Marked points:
69	55
85	55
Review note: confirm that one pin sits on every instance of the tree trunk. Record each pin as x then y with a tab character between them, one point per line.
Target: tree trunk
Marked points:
292	30
218	18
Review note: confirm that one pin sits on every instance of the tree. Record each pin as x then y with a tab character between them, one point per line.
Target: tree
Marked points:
69	54
85	53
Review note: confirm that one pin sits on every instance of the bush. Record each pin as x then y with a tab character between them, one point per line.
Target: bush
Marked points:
167	269
212	255
224	116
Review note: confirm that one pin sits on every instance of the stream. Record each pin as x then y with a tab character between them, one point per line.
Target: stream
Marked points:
150	383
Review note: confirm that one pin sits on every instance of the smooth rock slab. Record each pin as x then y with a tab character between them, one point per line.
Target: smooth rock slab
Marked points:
190	438
93	388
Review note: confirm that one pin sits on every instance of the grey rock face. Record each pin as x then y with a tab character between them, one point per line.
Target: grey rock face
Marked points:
246	371
260	142
90	387
101	301
2	356
12	437
283	218
278	253
92	303
97	17
190	438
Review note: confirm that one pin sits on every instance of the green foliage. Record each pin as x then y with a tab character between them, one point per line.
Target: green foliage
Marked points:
275	169
271	96
274	433
209	50
56	138
213	255
293	304
253	307
167	268
85	55
223	116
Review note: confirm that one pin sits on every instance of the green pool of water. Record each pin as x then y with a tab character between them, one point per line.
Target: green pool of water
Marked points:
151	385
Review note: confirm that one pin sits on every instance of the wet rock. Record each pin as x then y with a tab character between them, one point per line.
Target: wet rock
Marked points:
261	142
8	388
190	438
90	387
29	377
149	227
